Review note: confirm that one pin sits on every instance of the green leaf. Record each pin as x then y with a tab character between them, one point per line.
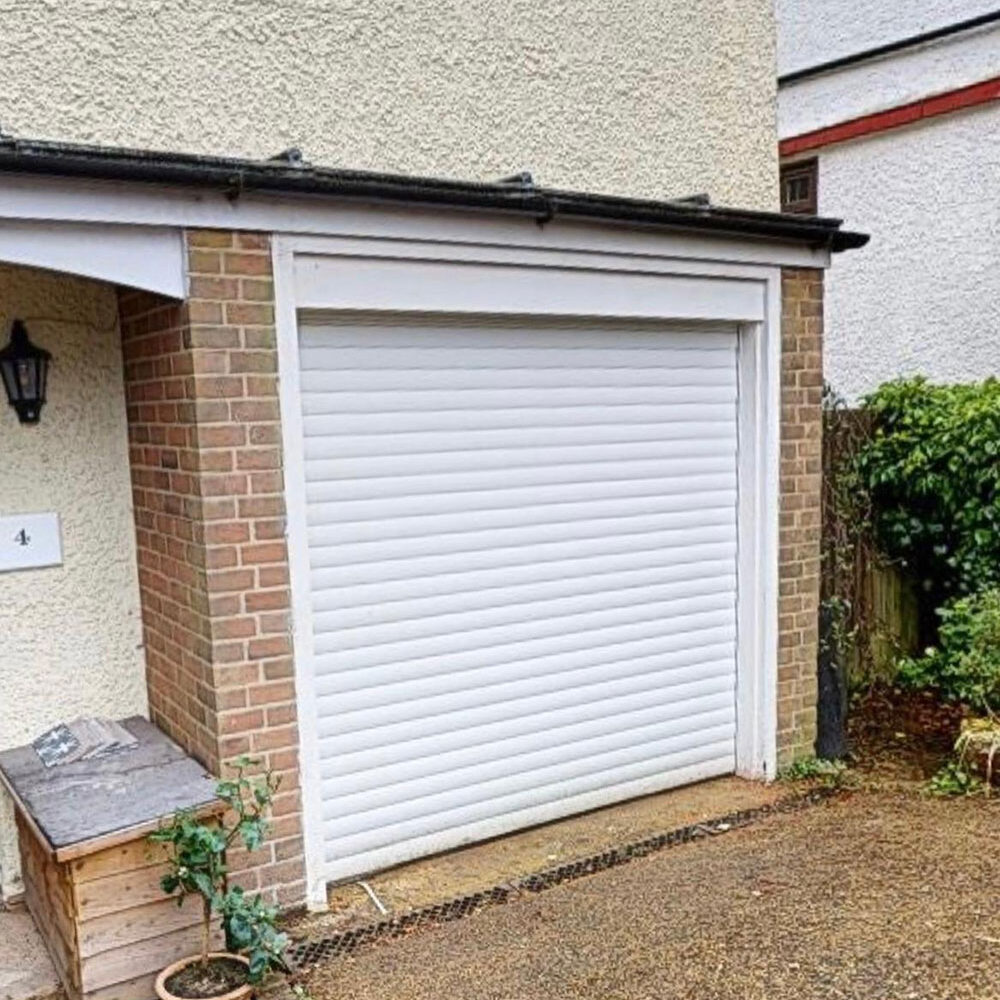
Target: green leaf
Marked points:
203	883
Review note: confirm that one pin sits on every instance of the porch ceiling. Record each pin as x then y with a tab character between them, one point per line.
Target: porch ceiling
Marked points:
146	257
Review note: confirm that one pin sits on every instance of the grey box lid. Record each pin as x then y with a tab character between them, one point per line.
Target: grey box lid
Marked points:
85	806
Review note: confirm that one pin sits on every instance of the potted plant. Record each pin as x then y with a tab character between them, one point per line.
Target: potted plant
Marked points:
197	860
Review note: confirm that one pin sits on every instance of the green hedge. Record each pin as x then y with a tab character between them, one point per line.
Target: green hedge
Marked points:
932	470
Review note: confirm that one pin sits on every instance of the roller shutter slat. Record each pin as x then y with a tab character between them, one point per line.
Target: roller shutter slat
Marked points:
623	644
376	772
691	401
480	782
522	550
472	590
712	745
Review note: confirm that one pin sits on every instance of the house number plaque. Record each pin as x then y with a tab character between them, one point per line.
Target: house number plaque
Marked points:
29	541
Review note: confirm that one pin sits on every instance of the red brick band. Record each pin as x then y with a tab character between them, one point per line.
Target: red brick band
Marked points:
881	121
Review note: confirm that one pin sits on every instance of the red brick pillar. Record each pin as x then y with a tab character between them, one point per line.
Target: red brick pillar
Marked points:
800	507
205	439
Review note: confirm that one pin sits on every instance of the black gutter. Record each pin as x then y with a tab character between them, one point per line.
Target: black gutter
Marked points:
883	50
288	175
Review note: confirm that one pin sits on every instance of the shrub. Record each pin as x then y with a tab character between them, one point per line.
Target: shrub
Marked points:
932	470
965	667
954	778
197	867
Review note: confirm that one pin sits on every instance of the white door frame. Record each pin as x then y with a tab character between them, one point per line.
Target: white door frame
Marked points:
387	274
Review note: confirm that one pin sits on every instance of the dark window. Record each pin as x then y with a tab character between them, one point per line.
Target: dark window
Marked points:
798	187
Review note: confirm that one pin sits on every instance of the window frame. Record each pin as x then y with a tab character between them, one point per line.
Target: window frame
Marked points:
799	169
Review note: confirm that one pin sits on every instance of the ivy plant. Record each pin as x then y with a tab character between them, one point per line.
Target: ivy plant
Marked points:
932	469
197	867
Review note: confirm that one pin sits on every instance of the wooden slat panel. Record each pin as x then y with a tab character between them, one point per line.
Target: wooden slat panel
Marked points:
127	857
117	930
52	881
119	892
141	957
141	988
60	953
46	897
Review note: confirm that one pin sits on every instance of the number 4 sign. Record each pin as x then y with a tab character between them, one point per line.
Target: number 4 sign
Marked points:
29	541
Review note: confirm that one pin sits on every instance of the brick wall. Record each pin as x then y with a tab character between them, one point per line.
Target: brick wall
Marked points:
163	451
799	531
204	426
205	439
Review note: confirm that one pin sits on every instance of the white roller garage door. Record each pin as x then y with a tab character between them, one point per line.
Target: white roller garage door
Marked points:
522	545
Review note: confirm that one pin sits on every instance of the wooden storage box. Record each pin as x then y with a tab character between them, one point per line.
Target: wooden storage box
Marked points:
91	877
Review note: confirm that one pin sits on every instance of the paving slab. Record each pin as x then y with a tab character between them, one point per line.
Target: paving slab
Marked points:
26	971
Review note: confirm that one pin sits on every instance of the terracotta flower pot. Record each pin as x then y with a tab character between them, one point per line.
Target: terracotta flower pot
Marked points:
240	993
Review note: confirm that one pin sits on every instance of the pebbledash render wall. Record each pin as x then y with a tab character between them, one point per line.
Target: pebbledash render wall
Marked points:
204	433
204	436
71	634
656	98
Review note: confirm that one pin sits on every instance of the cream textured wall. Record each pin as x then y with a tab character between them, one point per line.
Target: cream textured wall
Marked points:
924	295
71	635
656	98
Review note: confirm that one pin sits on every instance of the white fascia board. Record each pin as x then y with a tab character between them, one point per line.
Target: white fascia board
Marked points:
888	82
467	286
146	257
63	199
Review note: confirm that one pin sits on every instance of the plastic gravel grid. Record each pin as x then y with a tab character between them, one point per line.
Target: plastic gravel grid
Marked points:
310	952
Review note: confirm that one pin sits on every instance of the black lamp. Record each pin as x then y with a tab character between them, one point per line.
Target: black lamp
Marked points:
24	369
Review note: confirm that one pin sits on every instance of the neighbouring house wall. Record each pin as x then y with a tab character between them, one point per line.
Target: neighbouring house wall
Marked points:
206	460
811	33
924	296
647	97
71	634
800	480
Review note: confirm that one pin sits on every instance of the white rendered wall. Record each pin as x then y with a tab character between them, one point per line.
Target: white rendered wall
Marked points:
816	31
658	98
924	295
71	635
810	32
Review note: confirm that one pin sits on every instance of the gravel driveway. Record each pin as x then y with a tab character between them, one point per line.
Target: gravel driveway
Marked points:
868	896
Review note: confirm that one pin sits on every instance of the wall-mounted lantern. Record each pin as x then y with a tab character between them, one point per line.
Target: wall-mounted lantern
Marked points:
24	369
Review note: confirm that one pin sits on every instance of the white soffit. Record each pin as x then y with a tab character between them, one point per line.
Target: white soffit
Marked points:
146	257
